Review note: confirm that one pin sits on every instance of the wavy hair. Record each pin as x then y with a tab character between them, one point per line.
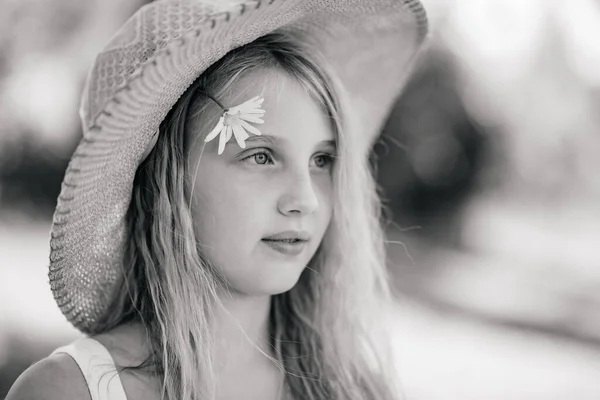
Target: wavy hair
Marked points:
326	332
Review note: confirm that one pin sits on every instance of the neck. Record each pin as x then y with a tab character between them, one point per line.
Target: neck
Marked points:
242	323
242	333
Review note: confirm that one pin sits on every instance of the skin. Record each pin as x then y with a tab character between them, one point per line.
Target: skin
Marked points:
239	197
281	181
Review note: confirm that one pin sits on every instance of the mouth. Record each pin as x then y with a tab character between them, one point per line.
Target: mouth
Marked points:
288	247
289	243
288	237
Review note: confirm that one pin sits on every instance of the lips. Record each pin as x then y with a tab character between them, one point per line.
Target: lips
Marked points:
289	237
288	248
291	243
284	240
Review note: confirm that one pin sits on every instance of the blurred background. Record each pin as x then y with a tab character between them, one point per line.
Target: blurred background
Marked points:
489	167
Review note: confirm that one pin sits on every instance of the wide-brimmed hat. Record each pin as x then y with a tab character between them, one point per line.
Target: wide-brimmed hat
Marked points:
149	63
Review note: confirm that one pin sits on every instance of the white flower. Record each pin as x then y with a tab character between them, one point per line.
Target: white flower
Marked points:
235	120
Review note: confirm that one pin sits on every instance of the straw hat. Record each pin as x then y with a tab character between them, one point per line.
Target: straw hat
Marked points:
150	62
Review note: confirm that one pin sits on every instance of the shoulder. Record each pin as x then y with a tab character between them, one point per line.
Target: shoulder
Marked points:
54	377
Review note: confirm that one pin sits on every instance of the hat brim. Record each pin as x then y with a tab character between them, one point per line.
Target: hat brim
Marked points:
368	44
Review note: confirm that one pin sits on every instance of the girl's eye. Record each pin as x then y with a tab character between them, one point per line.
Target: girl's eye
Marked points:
324	160
265	158
261	158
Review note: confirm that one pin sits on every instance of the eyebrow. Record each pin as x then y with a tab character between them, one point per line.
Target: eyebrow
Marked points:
274	140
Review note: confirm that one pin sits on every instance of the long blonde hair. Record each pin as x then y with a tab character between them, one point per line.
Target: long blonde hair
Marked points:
326	331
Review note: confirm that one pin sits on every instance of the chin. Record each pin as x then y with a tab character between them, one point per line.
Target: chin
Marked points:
282	289
279	287
271	285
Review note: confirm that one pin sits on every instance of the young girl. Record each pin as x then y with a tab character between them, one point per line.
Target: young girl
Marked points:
217	234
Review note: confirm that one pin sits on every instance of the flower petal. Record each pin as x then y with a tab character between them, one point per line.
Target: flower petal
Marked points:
253	111
216	130
228	133
223	139
251	108
252	105
249	127
241	131
240	134
251	118
256	100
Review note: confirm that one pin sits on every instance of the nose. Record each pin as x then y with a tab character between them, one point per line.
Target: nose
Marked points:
299	196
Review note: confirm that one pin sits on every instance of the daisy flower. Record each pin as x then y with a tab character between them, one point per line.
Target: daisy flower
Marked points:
236	121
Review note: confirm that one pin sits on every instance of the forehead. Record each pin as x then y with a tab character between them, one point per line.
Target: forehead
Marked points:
290	108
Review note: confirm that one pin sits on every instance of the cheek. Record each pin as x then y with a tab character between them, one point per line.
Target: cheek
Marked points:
324	188
227	216
232	213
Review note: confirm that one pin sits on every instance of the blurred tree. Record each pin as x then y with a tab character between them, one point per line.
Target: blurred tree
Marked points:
30	177
430	154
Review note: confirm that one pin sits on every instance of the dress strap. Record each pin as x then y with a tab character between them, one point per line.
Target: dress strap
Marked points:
98	368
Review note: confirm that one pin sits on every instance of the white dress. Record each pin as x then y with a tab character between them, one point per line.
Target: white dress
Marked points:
97	367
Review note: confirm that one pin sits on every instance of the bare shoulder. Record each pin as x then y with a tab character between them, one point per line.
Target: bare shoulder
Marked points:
55	377
128	347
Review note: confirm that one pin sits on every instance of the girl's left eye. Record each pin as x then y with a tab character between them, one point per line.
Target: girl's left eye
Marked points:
261	158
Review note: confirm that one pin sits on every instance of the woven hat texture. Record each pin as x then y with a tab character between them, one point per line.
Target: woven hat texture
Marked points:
150	62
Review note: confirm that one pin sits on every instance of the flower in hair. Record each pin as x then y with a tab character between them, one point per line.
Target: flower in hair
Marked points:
236	121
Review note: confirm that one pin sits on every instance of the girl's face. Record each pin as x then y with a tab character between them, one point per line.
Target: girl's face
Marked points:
281	183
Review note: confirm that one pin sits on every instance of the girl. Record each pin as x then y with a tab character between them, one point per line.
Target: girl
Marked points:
217	234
